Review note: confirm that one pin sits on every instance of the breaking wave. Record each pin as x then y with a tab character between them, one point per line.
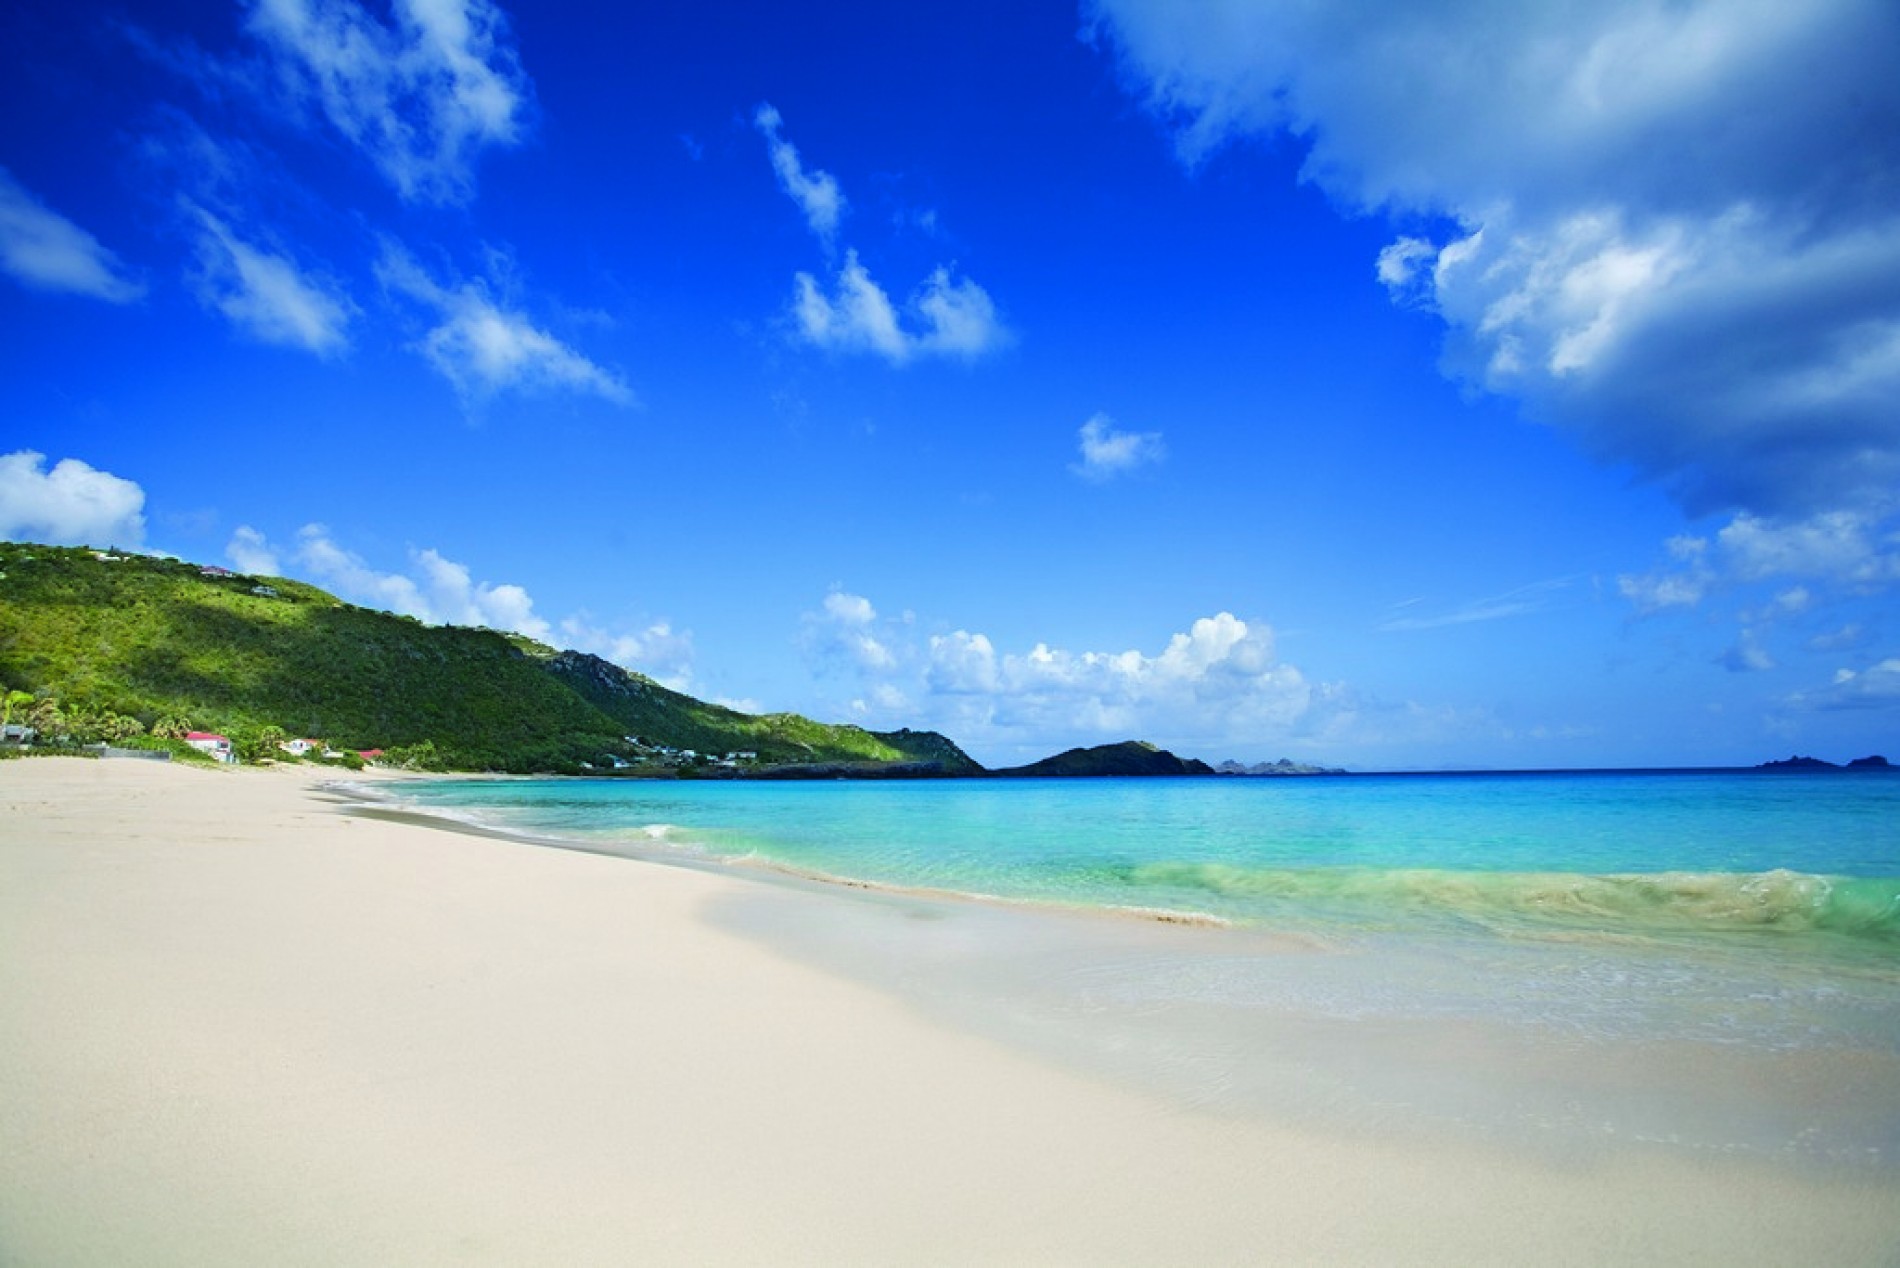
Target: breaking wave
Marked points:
1689	902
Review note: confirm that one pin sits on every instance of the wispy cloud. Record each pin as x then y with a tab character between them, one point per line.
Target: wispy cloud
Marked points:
484	348
1875	687
421	95
1747	656
1636	244
266	294
1523	601
43	249
815	192
1107	453
73	504
948	317
250	553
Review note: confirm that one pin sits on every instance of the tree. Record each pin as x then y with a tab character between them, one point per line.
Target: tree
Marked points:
46	717
254	744
120	727
172	728
10	701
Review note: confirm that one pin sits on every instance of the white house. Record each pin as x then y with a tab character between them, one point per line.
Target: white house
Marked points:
297	748
216	745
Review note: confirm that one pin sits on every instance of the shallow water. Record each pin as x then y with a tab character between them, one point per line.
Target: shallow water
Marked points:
1625	855
1698	961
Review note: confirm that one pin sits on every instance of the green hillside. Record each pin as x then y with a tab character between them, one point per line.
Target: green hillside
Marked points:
1130	757
121	645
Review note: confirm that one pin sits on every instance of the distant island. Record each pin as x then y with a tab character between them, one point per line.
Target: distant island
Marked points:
1282	767
1798	764
1130	757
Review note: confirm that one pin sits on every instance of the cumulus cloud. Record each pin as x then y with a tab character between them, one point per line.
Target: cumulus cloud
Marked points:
847	627
1219	681
441	591
265	294
949	316
815	192
658	651
73	504
1672	228
436	589
1107	453
421	95
42	249
1852	551
484	348
250	552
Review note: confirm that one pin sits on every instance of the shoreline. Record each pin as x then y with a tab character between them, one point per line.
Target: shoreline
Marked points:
1531	919
1553	1107
238	1025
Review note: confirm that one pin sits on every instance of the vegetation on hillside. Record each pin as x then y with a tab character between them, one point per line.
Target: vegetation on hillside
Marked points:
1130	757
111	647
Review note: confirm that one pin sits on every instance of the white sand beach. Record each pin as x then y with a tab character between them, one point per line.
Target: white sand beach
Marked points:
238	1026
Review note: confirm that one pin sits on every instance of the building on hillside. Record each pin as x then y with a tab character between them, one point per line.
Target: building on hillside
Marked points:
218	746
297	748
371	754
212	570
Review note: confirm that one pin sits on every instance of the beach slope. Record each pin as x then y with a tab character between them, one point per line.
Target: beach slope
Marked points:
238	1026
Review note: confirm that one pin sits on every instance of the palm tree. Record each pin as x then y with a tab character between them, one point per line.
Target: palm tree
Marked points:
10	701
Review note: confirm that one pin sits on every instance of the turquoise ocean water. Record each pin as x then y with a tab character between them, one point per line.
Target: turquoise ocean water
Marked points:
1798	861
1703	961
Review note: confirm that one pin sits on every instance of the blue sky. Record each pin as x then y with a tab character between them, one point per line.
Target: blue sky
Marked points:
1474	385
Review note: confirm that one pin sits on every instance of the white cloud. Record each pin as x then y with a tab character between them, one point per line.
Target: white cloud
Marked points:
950	317
959	318
1523	601
437	589
1876	687
43	249
856	317
1746	656
847	629
1848	550
249	552
71	505
815	192
1849	635
421	96
1217	683
484	348
1668	228
1841	546
659	651
265	294
1107	453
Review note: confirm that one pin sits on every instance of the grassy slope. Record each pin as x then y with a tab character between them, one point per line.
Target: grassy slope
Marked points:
152	637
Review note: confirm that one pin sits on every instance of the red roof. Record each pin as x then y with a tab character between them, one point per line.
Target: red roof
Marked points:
205	735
